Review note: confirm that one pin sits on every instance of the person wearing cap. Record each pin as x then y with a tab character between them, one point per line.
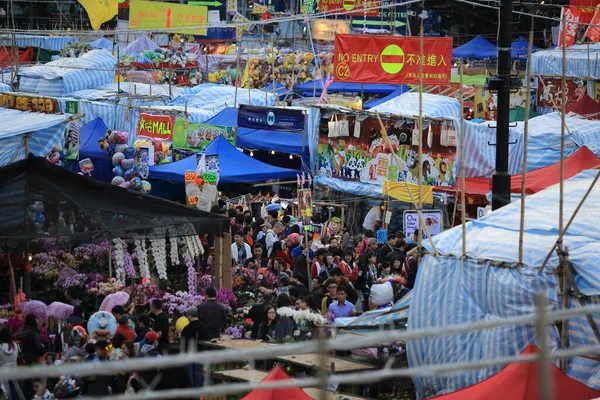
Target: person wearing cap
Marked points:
149	349
264	228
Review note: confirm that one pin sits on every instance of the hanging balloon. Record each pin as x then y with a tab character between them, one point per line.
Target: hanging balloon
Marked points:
130	152
135	183
130	173
118	171
127	163
146	187
118	158
121	148
124	185
111	150
181	323
273	207
117	180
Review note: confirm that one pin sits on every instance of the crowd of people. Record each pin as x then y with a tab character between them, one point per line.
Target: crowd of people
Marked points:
315	272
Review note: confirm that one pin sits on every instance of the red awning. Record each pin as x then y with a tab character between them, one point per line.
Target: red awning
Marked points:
277	374
7	56
521	381
585	107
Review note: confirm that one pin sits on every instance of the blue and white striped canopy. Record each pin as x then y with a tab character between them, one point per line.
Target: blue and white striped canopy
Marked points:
389	316
46	131
54	43
580	60
216	98
543	146
434	106
451	291
67	75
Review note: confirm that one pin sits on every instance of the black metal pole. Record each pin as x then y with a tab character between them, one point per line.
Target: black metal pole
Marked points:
501	178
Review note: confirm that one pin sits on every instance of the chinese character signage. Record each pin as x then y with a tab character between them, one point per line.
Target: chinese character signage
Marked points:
154	15
197	136
571	16
367	159
593	31
390	59
155	126
550	92
271	119
325	29
587	8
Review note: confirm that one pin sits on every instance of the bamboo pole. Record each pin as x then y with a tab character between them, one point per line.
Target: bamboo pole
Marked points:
463	211
564	332
420	157
237	77
525	142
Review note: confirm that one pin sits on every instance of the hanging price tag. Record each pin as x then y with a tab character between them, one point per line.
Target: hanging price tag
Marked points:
193	200
190	176
210	177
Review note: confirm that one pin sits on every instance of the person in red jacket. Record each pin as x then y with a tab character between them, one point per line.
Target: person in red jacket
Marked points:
124	328
319	267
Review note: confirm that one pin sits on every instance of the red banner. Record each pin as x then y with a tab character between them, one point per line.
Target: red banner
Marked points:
550	92
571	16
587	8
593	31
342	6
391	59
156	126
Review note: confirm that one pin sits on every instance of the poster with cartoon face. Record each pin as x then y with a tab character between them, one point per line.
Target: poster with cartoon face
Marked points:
368	159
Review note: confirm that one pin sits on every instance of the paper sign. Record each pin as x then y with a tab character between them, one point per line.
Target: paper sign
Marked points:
155	126
190	176
210	177
72	141
212	165
326	29
154	15
145	160
382	236
434	220
593	31
214	18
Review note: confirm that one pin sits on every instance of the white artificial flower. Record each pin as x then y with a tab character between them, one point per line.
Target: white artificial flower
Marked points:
118	256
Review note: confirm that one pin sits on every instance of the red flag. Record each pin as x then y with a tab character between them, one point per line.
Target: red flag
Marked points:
571	16
593	31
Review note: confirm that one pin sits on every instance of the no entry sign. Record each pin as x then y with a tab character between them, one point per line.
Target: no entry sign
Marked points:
385	59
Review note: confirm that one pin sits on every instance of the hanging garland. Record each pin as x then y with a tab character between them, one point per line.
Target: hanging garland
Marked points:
192	240
159	251
173	241
142	256
192	279
119	259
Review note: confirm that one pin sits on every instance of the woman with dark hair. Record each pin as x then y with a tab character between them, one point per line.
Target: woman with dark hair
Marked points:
31	344
283	300
9	352
274	326
279	251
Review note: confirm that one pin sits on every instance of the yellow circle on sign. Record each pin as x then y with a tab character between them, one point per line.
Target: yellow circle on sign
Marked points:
349	4
392	59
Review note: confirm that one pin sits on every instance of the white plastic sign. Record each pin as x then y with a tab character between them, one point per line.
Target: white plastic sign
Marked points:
434	220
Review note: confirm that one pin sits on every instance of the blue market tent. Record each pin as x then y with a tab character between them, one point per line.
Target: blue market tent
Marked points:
260	139
88	136
520	48
235	166
339	87
477	48
280	90
452	290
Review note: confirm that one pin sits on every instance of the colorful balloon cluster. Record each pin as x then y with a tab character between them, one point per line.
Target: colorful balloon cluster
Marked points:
124	162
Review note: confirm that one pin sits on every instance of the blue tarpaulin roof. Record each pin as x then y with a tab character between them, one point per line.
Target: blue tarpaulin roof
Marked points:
337	87
520	48
260	139
372	103
478	48
235	166
89	134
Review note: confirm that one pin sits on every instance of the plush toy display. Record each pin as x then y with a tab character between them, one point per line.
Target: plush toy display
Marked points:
124	161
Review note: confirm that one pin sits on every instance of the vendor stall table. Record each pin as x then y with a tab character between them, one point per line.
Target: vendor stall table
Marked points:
313	359
237	344
253	375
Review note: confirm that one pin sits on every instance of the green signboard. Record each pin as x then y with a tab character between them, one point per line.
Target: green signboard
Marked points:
71	107
197	136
